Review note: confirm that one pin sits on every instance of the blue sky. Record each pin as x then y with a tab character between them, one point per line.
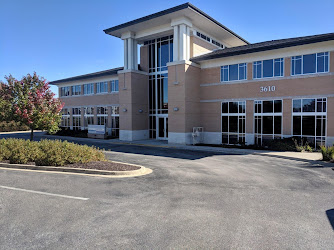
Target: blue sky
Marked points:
64	38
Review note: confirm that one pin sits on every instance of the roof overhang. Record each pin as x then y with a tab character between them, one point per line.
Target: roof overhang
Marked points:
161	22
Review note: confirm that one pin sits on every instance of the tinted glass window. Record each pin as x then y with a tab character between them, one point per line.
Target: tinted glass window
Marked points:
268	68
225	107
224	123
308	125
277	106
267	124
233	72
308	105
267	106
297	125
233	107
242	107
309	63
278	67
233	124
297	105
296	65
277	124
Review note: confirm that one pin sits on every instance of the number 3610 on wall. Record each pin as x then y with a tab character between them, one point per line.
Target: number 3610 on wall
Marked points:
268	89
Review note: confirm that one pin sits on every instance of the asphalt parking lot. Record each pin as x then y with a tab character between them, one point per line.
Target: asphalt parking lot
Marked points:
192	200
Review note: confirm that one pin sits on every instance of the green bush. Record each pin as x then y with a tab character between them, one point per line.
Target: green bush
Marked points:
47	152
327	153
12	126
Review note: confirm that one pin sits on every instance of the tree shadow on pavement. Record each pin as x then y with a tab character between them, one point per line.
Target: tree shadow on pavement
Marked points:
330	216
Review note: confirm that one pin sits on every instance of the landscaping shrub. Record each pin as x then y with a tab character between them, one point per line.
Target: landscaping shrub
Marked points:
47	152
12	126
327	153
73	133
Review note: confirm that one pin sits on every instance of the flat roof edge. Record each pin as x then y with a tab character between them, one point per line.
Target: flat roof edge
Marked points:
171	10
108	72
266	47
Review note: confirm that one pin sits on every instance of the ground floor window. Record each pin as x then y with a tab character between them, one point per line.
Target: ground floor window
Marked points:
115	121
268	122
309	119
76	122
233	122
102	116
152	126
65	118
88	116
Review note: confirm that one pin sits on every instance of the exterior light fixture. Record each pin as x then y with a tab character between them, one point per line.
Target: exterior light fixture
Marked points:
140	111
176	109
124	110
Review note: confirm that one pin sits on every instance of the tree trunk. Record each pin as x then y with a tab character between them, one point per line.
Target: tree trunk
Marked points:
32	134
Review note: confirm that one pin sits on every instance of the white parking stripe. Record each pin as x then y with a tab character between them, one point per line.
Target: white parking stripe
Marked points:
38	192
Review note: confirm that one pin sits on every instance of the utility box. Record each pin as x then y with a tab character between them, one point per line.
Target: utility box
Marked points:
198	135
97	131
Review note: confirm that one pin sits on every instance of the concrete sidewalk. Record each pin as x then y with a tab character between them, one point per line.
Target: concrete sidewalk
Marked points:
314	156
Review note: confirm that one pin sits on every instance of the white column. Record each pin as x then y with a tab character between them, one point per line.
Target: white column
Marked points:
125	54
176	44
130	53
182	42
135	55
188	43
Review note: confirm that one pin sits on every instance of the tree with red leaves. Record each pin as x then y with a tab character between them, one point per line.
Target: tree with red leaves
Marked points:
33	103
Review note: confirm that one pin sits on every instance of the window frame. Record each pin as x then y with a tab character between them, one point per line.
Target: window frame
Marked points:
91	88
316	114
257	63
114	86
256	115
239	115
316	64
98	87
239	65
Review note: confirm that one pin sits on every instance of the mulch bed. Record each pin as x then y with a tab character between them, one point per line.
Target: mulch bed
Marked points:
99	165
104	165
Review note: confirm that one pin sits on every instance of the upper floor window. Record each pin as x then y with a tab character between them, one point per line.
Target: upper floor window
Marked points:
102	87
76	111
114	86
88	89
64	91
76	90
268	68
310	64
233	72
160	53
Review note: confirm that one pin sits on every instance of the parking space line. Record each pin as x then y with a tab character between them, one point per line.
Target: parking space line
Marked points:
50	194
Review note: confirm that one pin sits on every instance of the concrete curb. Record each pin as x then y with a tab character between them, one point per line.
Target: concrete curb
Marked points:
95	172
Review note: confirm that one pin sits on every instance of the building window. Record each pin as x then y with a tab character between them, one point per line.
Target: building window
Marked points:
89	89
102	87
310	64
88	116
114	86
65	118
268	68
235	72
309	118
115	121
233	122
76	90
76	116
160	53
102	116
268	121
64	91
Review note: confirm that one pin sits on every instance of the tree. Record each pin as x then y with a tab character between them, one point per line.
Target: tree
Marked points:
34	104
6	107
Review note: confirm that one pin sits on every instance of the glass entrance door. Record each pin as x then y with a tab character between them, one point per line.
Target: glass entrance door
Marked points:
162	128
